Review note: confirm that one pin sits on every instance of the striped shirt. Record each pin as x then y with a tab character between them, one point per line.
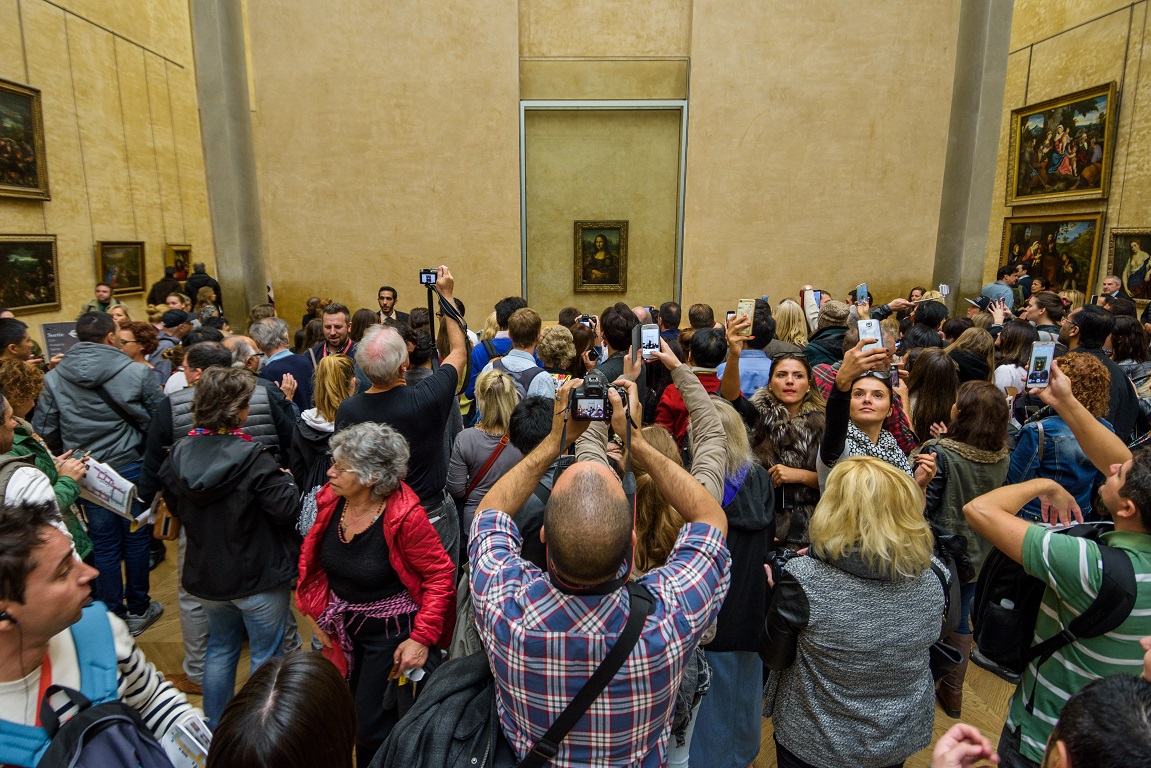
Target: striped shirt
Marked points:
141	686
544	645
1073	572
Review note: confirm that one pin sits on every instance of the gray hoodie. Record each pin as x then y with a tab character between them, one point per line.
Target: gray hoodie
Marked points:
70	413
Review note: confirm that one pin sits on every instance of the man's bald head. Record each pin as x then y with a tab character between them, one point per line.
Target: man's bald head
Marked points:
588	525
243	351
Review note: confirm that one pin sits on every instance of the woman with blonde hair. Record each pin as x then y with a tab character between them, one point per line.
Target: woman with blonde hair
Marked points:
482	454
556	350
1072	300
491	328
308	454
790	324
730	713
854	622
205	297
120	315
974	354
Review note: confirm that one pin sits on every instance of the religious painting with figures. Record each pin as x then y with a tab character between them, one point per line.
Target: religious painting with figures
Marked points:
121	265
1063	250
601	256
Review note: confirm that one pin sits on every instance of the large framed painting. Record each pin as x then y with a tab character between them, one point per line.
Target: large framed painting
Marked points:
1061	149
121	265
29	273
178	256
23	166
1129	258
1063	250
601	256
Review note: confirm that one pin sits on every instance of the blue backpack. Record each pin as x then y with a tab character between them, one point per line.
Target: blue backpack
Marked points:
104	732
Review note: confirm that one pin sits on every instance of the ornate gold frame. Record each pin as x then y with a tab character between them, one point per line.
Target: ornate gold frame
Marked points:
584	228
40	191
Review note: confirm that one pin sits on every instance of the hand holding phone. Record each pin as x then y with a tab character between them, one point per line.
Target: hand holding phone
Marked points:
1039	368
649	340
870	329
746	308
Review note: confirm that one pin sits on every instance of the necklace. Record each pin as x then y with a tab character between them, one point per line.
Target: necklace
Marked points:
343	529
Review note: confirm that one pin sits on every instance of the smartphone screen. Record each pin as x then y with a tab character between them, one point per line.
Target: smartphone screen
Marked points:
649	340
730	315
861	293
1039	369
745	308
869	329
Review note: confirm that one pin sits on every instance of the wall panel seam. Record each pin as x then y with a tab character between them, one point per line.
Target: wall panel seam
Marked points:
176	155
1134	104
79	137
124	136
23	42
112	32
1077	26
155	147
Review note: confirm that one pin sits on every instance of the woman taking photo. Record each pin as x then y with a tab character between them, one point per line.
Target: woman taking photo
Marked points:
1045	446
482	454
970	460
859	403
1014	344
787	420
309	455
848	631
237	508
374	578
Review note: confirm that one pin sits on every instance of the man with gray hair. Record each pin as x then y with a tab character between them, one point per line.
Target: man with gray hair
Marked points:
199	279
271	415
280	365
418	412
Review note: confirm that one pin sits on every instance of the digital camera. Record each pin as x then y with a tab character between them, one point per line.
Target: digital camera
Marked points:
589	401
778	558
428	277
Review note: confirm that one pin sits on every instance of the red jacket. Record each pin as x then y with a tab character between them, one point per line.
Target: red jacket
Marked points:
414	551
672	411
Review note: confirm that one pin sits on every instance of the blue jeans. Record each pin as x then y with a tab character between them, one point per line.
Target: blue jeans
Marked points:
967	599
115	543
264	617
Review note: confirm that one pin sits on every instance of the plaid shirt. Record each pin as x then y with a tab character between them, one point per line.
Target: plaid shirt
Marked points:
897	422
544	644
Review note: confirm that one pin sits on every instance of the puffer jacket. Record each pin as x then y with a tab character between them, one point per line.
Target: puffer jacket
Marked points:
70	414
416	555
237	509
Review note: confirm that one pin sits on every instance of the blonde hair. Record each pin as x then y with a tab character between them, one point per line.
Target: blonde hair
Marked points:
978	342
497	397
1072	300
333	374
790	323
491	328
739	454
875	510
657	524
557	347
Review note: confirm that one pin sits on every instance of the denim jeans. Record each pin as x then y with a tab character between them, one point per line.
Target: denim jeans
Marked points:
264	617
967	600
114	543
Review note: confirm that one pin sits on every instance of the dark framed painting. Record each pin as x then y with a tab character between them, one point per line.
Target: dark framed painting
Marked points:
29	273
601	256
1061	149
121	265
1063	250
178	256
1129	259
23	163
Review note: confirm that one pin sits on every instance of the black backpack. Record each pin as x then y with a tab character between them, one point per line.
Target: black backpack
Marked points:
1007	603
104	731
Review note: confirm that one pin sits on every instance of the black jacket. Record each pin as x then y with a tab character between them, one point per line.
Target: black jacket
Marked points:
237	509
825	346
162	287
750	536
1124	407
198	280
309	446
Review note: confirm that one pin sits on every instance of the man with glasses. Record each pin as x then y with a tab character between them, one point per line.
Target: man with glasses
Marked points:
98	400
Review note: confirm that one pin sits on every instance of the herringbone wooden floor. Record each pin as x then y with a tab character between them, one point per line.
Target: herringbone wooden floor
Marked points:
984	702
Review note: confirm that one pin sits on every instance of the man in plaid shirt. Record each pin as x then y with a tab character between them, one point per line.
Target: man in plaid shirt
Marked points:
545	633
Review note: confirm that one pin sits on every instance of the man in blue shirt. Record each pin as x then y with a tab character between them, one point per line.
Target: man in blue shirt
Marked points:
1005	280
670	316
271	336
754	364
502	342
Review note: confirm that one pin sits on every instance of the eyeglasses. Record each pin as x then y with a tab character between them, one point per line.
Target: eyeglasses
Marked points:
335	465
788	356
126	342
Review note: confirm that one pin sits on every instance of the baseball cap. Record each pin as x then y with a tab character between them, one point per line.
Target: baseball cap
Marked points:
175	317
982	302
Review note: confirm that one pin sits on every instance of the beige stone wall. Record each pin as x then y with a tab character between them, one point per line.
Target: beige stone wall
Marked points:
122	134
1063	46
387	139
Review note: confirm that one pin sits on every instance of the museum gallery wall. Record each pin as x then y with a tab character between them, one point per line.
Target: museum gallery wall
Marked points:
101	166
1074	193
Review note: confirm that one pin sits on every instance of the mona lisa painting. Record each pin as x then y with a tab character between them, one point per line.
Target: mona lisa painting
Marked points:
601	256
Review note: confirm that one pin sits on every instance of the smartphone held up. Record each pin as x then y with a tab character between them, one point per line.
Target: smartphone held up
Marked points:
1039	368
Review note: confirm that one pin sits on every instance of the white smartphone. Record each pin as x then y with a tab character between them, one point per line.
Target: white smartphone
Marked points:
649	340
745	308
1039	369
870	329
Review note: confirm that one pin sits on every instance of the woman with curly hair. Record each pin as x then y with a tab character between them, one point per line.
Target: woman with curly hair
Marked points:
138	341
1045	446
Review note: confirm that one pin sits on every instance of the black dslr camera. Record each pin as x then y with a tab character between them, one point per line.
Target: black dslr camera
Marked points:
778	558
589	401
428	276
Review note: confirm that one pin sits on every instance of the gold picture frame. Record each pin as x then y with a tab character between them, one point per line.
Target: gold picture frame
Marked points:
23	161
178	256
1061	149
121	265
1063	249
29	273
1119	251
601	256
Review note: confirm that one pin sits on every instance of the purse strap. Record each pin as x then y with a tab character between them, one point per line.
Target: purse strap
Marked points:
642	605
120	411
495	454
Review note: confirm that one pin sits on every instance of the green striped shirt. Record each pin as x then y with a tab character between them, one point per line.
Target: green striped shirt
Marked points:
1073	571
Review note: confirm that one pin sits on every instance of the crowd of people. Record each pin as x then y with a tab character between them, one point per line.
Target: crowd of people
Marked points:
779	514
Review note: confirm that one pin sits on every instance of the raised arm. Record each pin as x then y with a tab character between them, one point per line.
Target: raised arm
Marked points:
992	515
1101	445
708	441
729	387
457	341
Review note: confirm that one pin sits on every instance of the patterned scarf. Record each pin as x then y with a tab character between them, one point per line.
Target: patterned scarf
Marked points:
340	618
859	444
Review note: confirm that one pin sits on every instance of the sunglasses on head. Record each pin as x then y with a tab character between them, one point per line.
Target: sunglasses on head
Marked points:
789	356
